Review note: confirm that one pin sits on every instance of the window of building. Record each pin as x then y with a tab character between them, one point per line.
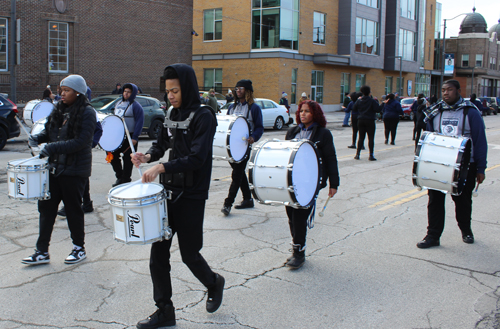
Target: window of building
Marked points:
465	60
399	86
407	45
317	78
360	81
4	65
212	79
409	9
479	60
58	47
275	24
422	83
367	36
319	28
369	3
388	85
493	63
212	24
293	94
345	82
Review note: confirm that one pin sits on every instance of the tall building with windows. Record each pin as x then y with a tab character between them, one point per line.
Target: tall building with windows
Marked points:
105	41
323	48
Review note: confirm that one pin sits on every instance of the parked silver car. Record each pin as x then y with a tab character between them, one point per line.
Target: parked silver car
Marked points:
274	116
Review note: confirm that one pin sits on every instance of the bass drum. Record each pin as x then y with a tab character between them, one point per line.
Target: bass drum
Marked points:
113	133
441	162
285	173
28	110
42	110
231	139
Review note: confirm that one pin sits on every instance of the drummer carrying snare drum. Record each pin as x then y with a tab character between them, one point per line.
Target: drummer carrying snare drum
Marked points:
311	126
454	116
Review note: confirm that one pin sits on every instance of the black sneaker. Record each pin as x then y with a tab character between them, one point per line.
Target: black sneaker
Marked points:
163	317
88	207
37	258
428	242
469	238
215	294
62	212
76	256
226	210
351	146
245	204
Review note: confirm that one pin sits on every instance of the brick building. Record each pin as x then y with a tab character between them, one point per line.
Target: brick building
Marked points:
323	47
477	56
105	41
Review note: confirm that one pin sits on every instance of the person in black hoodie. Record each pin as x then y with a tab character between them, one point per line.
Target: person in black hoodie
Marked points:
68	133
187	174
311	125
367	109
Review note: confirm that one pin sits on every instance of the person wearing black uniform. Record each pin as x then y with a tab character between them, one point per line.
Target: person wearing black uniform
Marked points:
68	133
367	108
311	125
187	174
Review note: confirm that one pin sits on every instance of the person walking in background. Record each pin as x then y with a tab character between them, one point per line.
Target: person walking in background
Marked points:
421	114
392	112
284	100
477	103
347	115
303	98
118	89
48	95
212	101
367	108
354	118
413	109
229	96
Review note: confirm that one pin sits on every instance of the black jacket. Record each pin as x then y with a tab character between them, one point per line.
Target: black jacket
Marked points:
366	107
323	139
191	158
70	156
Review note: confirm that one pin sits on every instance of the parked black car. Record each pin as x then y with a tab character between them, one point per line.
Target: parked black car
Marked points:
8	124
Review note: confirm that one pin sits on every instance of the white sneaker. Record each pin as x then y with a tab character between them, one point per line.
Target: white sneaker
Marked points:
76	256
37	258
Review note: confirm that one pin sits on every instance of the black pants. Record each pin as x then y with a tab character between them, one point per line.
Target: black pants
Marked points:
414	124
125	172
186	219
239	180
418	133
69	189
463	207
391	125
366	126
86	192
354	124
297	220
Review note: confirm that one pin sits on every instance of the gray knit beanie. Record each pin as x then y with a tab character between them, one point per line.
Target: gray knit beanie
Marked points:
75	82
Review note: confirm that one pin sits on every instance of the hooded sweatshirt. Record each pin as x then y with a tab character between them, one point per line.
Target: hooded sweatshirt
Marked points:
192	150
132	112
366	107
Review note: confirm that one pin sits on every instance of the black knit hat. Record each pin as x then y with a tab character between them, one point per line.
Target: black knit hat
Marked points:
245	83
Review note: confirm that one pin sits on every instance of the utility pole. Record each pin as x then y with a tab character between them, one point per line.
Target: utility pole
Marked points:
12	51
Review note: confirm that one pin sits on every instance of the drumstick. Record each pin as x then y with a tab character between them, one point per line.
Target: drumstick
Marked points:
474	193
322	213
130	143
27	133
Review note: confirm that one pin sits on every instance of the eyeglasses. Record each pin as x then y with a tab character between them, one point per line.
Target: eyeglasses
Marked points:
239	88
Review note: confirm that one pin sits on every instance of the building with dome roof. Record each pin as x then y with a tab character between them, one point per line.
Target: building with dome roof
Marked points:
477	56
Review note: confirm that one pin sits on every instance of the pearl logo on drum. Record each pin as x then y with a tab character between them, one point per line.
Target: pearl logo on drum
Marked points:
20	182
132	220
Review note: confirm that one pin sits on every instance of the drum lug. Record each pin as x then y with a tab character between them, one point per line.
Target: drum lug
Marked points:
291	189
168	194
167	233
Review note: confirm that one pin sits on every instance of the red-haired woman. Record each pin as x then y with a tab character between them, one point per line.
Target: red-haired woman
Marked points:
311	125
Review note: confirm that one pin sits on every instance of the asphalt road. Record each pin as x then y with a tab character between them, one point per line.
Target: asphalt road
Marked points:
362	268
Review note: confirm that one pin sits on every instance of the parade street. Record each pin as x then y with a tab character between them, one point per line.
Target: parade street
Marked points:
362	269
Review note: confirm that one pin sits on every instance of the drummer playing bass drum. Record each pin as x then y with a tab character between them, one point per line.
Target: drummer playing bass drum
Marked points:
454	116
311	125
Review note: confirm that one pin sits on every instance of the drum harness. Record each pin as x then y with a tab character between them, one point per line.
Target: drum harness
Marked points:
186	178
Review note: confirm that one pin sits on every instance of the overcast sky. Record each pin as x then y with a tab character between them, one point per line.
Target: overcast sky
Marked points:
490	9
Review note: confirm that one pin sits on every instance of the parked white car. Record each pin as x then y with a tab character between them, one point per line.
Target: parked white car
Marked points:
274	116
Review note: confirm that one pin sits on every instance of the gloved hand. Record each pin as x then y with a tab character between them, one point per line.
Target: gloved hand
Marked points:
32	141
44	153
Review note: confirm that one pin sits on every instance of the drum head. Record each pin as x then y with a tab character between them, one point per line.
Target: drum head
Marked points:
305	174
113	133
38	127
136	191
239	147
28	163
42	110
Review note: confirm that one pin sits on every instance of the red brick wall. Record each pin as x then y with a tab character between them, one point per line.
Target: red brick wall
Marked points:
109	41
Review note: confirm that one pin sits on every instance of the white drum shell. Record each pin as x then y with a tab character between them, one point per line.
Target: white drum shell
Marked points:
28	110
113	133
285	173
139	212
230	139
28	179
436	164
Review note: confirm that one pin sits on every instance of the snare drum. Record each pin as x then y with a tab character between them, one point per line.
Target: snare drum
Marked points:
28	110
41	110
285	173
139	213
231	139
113	133
441	162
28	179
